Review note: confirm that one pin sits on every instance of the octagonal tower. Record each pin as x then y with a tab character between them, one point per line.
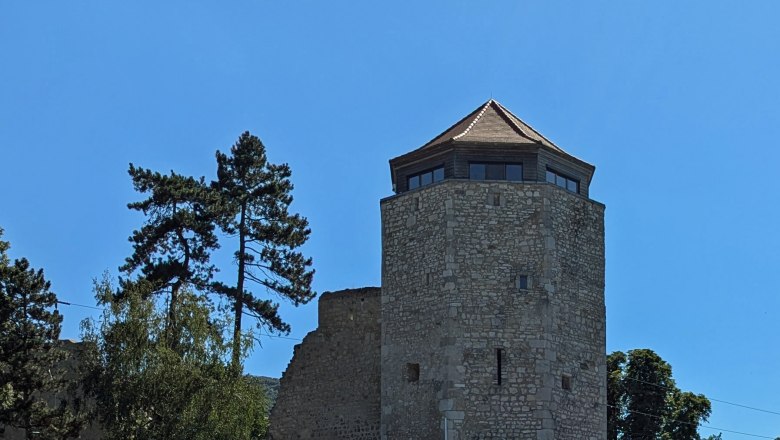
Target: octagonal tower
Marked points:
492	314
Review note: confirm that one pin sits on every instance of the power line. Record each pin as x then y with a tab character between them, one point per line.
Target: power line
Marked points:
629	378
280	337
78	305
731	431
710	398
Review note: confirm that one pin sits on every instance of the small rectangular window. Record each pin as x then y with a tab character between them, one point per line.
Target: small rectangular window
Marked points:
412	372
550	177
522	282
438	174
560	181
496	199
477	171
566	382
414	182
514	172
572	185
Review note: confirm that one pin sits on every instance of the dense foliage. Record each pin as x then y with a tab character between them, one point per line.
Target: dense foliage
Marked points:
645	404
147	388
159	365
32	378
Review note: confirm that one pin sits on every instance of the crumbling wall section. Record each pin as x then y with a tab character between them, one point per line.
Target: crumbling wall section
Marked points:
331	387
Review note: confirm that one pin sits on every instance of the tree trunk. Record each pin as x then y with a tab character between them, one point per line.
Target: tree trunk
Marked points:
239	309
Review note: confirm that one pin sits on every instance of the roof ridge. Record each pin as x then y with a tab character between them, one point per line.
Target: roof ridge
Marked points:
527	125
474	122
511	117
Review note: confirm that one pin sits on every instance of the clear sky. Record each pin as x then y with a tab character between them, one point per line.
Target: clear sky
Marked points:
676	103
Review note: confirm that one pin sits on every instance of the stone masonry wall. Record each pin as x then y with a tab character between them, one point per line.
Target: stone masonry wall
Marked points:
452	255
330	389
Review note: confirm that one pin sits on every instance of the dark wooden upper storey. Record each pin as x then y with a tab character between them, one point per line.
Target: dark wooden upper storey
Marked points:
490	143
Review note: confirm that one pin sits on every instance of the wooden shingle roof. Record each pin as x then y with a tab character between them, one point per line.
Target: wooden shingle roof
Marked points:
491	123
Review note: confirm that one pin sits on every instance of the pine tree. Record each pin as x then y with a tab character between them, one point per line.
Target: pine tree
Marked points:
172	250
30	372
255	196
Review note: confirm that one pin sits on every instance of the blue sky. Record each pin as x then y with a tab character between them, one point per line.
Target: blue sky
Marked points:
676	103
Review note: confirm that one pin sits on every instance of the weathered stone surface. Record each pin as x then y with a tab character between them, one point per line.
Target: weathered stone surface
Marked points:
330	390
450	302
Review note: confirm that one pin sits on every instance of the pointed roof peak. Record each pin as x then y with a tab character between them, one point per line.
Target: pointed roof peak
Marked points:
492	122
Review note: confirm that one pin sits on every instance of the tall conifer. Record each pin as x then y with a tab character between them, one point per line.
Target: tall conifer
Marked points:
254	207
172	249
30	372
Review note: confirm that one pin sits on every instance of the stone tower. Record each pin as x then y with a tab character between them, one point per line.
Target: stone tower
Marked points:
492	302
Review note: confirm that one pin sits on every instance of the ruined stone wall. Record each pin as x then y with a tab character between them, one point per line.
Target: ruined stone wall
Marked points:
452	256
330	389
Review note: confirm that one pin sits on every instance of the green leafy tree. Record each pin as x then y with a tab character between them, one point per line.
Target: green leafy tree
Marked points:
254	208
31	375
144	389
646	393
172	249
615	394
644	402
686	410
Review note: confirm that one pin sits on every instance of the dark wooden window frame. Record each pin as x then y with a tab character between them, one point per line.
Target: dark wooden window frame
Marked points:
419	177
504	164
567	181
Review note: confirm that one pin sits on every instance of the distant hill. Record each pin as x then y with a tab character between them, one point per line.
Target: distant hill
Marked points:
271	385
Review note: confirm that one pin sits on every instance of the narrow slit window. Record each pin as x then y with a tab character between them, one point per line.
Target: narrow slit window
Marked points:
496	199
499	360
